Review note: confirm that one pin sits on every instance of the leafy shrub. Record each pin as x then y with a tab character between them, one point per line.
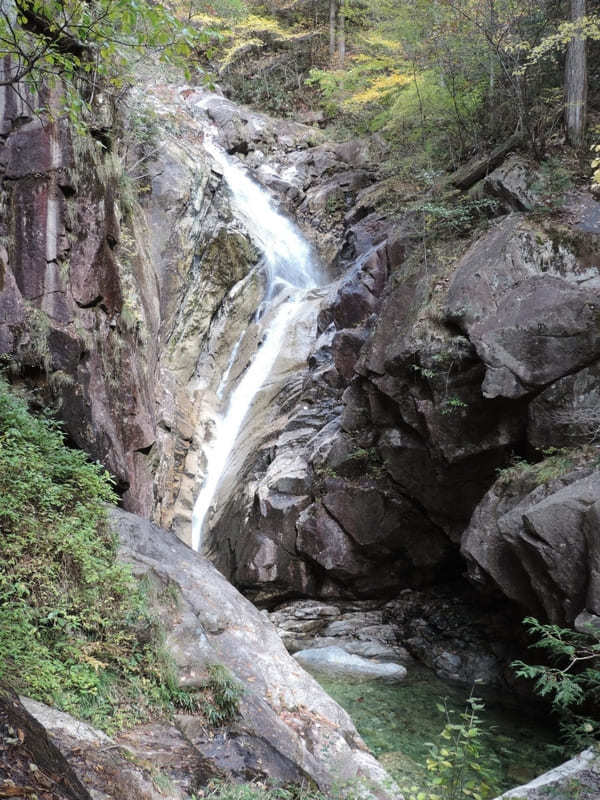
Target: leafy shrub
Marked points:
74	628
454	764
259	790
222	695
557	461
571	681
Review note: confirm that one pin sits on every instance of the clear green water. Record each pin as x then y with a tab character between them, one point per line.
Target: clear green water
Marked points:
397	720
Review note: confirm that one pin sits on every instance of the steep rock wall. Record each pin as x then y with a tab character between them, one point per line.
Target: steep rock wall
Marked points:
367	460
105	304
420	388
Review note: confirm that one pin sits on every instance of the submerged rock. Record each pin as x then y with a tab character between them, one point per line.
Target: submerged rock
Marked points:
336	661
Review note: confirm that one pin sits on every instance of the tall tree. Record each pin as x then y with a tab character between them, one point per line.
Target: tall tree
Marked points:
341	33
334	7
576	80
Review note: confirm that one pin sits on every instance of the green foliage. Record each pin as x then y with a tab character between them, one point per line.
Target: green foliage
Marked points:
457	215
222	695
86	47
74	628
453	404
571	680
39	328
259	790
586	27
445	79
454	766
557	461
263	55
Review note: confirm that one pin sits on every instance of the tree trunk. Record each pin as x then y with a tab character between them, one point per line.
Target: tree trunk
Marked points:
493	24
341	33
576	81
333	13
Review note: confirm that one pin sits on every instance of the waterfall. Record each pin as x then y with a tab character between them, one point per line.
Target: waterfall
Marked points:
291	272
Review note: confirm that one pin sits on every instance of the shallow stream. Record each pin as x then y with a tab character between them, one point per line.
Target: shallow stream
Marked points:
396	721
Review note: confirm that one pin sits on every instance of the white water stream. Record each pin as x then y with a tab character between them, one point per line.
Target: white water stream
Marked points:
290	271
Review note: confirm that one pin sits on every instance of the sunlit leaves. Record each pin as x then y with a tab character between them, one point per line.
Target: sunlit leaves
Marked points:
86	46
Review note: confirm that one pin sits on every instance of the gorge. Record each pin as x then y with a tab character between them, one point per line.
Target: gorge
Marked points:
386	442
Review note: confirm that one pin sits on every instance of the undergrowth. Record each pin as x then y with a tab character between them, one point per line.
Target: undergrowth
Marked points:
557	461
261	790
75	630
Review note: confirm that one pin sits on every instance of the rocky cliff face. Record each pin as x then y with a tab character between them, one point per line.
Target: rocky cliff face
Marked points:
63	288
406	388
105	306
421	385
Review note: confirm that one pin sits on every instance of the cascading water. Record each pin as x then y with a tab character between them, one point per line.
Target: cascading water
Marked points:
290	272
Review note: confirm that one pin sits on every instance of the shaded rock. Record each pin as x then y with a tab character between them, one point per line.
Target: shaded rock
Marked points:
325	542
456	632
358	294
31	744
335	661
533	543
108	771
356	627
237	753
587	623
336	194
517	297
541	331
512	183
566	414
346	347
378	523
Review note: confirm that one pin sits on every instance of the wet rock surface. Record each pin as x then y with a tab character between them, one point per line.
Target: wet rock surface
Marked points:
428	385
334	661
448	628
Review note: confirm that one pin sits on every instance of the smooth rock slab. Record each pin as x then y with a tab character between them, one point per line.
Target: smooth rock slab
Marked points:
335	661
577	779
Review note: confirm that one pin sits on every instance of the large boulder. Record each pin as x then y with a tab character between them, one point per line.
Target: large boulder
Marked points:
567	413
50	751
519	296
513	183
285	708
536	543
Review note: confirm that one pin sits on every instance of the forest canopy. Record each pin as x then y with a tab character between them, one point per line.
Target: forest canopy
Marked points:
452	77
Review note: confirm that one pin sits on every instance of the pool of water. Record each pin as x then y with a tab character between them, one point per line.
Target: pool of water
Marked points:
397	721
